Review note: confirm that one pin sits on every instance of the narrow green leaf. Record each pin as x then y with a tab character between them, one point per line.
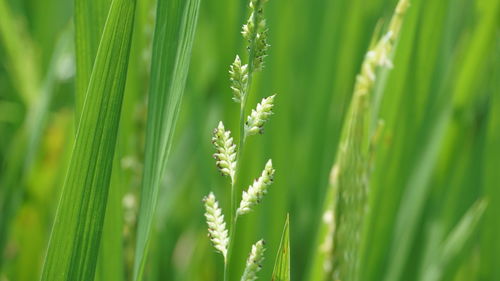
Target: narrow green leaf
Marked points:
172	44
490	244
25	145
416	192
435	265
19	49
90	17
110	261
75	239
281	270
321	266
450	95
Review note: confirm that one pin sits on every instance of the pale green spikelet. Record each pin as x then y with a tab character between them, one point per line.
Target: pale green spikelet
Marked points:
238	75
380	54
216	226
397	18
256	120
225	155
257	190
248	29
254	262
261	47
255	32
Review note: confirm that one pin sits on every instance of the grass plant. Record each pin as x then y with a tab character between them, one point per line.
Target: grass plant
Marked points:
228	155
384	143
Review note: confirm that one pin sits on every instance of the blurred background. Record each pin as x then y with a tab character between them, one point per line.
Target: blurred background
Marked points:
439	153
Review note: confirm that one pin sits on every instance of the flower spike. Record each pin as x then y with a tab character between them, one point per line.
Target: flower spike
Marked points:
256	120
238	75
225	155
216	226
254	261
257	190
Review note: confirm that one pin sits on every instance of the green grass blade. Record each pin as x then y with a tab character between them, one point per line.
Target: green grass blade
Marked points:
75	239
321	266
172	44
436	264
23	150
19	49
431	140
415	194
90	17
110	261
489	242
281	270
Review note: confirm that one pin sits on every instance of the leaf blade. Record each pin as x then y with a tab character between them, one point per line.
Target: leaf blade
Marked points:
281	271
172	44
90	17
75	239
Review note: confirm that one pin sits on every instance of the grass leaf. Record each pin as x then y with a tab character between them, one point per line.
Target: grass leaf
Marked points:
38	98
281	270
75	239
172	44
90	17
19	48
435	265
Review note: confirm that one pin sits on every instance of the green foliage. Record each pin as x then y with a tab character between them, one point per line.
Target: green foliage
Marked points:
172	43
281	271
419	153
76	234
90	17
438	257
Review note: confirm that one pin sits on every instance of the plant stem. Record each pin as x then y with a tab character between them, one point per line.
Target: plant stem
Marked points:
242	138
233	214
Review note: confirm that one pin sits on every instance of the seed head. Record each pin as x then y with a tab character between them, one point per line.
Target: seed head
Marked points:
225	154
255	32
257	190
397	18
216	226
256	3
261	47
254	262
238	75
380	54
255	122
248	29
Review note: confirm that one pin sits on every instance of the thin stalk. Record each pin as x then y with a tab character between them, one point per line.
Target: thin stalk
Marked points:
241	145
231	234
233	214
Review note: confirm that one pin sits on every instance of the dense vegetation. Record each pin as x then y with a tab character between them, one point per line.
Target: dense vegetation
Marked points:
385	139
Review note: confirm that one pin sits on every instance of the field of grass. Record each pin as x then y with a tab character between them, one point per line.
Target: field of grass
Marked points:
385	140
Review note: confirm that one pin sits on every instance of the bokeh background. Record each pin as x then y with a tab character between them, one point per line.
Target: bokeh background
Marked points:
440	150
